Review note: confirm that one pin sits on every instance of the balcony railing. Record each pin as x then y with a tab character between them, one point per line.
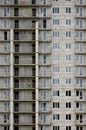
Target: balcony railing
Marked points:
47	86
45	110
49	50
46	122
81	122
46	98
45	74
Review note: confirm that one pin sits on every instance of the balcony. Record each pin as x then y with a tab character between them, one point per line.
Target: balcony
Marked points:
81	111
3	110
80	3
24	85
45	62
45	85
83	75
81	63
81	122
48	86
25	122
81	98
45	74
81	86
46	122
46	98
46	51
45	110
82	52
25	3
82	16
23	98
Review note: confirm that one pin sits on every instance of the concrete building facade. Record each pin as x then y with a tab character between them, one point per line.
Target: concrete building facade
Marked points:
42	65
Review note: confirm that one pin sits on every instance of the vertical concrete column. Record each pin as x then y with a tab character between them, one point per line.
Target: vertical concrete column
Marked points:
37	73
11	79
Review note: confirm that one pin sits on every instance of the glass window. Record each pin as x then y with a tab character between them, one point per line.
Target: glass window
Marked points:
43	128
79	70
55	21
43	106
43	1
55	10
16	11
6	128
55	81
6	82
44	58
6	11
6	70
68	57
16	24
43	82
80	1
55	93
68	116
79	22
15	1
43	94
55	0
43	47
68	127
6	47
6	1
6	23
68	93
68	21
6	118
56	104
68	80
68	104
43	71
79	10
55	69
68	69
68	45
68	10
6	94
56	127
79	47
55	45
43	23
68	34
56	116
43	35
43	11
79	59
79	34
55	57
6	59
6	106
56	34
79	82
43	117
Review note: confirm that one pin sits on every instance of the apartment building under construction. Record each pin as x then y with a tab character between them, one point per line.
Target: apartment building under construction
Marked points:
42	65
